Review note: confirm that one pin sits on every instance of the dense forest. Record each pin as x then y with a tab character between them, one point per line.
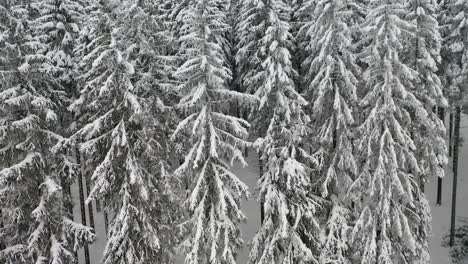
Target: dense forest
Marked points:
153	101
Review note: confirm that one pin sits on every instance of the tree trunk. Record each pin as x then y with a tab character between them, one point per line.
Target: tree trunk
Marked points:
260	166
82	199
2	225
450	150
2	246
456	144
439	191
106	222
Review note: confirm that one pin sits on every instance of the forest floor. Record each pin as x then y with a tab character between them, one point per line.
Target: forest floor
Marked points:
251	208
441	214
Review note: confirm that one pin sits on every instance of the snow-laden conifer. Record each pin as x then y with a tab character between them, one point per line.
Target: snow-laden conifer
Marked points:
57	27
35	227
214	138
389	203
289	232
330	81
454	67
119	134
423	55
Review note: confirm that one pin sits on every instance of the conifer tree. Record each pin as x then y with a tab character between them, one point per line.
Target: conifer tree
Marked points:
454	71
36	228
214	138
391	208
330	84
423	55
289	231
118	111
57	27
249	36
454	68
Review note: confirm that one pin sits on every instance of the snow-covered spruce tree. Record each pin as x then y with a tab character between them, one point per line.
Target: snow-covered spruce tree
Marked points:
248	57
289	232
388	201
214	138
35	226
119	134
233	12
4	26
423	55
57	27
330	84
454	66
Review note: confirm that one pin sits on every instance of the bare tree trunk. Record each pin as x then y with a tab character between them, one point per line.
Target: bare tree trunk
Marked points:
455	174
450	150
2	225
439	191
2	246
439	185
260	166
106	222
82	199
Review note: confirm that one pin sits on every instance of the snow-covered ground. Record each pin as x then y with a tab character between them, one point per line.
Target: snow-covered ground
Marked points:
97	248
440	214
249	175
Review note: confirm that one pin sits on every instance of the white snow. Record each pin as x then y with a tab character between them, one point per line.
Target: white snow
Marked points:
441	214
251	208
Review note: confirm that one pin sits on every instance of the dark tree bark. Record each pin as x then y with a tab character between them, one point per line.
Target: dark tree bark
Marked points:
439	191
260	166
456	144
106	222
1	226
82	200
450	150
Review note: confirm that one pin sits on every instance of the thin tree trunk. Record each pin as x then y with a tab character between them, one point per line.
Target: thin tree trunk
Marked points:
1	226
106	222
455	174
260	166
82	200
450	150
439	191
